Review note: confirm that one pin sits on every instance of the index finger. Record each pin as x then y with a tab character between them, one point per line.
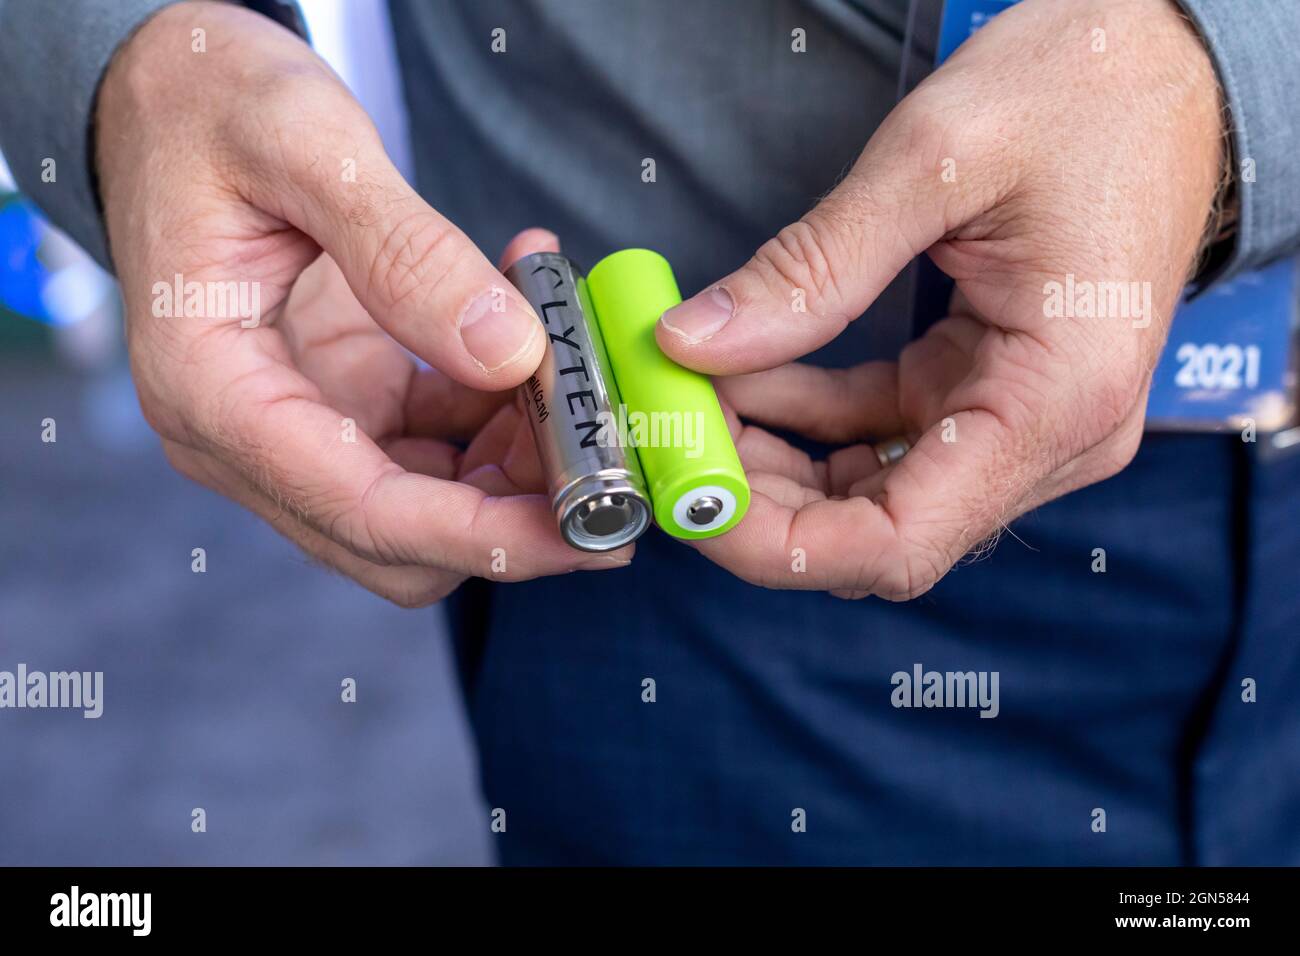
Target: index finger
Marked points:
934	506
305	455
417	274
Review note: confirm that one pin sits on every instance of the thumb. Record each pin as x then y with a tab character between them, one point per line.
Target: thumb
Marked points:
414	271
802	287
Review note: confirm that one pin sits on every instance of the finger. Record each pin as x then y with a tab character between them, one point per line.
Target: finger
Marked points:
846	467
526	243
437	406
522	463
333	341
361	372
506	443
826	404
937	503
492	443
965	479
763	451
492	480
1103	459
785	491
819	545
415	272
943	358
441	407
424	456
276	432
407	586
802	287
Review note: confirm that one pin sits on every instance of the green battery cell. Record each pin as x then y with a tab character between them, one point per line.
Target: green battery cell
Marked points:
696	483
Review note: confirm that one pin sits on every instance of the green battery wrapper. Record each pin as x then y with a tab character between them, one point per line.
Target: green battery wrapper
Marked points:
673	415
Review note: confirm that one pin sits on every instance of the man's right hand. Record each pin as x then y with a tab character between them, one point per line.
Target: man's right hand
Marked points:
249	162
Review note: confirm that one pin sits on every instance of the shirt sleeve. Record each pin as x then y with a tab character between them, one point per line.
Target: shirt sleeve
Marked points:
52	58
1252	44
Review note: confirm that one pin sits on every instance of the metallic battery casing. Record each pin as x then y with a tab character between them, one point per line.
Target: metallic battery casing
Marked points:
596	486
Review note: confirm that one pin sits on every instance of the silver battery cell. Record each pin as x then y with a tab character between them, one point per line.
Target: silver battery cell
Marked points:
596	486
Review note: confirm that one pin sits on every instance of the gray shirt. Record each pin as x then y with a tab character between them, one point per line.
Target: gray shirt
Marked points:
744	133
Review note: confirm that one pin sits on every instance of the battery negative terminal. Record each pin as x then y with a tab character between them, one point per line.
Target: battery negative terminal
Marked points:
604	516
602	512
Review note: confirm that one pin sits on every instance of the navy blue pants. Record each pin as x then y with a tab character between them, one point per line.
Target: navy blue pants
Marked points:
1120	691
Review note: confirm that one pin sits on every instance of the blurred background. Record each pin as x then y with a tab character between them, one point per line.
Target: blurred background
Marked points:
222	689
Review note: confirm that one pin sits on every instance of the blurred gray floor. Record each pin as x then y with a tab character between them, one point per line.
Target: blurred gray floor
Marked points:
222	689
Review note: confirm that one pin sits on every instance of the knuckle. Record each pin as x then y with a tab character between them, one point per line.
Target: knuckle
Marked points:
1107	401
228	421
803	256
294	98
157	416
357	527
935	124
1109	405
938	127
413	259
1122	452
413	596
159	368
304	125
907	579
182	460
934	133
911	566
